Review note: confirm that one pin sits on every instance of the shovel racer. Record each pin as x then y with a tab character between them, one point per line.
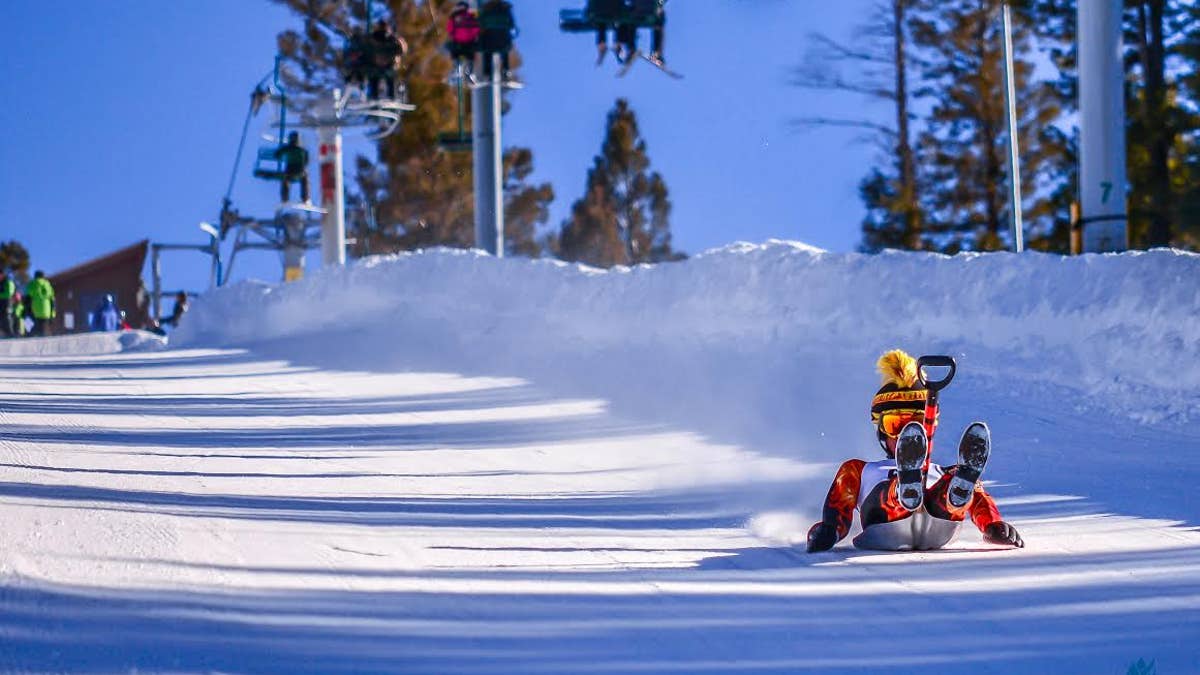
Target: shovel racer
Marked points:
905	502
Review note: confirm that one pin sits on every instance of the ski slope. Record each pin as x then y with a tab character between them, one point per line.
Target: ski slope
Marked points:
445	463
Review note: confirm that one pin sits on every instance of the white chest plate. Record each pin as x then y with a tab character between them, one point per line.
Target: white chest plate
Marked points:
875	473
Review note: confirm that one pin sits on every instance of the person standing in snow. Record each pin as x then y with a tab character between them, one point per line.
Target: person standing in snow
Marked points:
905	502
18	315
106	317
8	295
177	312
40	296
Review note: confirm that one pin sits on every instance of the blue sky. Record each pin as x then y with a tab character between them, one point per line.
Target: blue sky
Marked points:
122	117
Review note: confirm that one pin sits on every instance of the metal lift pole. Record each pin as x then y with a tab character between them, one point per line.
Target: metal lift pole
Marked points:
1101	127
1013	128
333	195
488	163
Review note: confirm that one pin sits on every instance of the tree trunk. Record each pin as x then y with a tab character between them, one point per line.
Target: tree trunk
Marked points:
904	151
1151	16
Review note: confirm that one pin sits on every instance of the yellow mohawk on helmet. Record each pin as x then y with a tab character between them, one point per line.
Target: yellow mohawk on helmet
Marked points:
898	368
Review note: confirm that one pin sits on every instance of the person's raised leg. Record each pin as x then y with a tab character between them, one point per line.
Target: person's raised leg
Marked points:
950	497
911	453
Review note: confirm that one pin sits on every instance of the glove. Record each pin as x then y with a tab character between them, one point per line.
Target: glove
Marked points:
1004	534
822	537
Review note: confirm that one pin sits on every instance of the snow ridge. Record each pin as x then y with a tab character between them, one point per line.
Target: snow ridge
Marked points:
1112	328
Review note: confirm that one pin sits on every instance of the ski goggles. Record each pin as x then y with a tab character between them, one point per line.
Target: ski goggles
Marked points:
891	423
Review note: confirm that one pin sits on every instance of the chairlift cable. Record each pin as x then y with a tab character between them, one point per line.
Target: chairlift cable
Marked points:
237	160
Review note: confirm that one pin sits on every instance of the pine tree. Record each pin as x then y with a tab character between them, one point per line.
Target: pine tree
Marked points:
963	147
416	194
1188	171
878	71
623	216
1158	118
15	258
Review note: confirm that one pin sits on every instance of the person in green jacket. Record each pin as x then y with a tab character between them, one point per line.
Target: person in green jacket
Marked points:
295	167
41	303
18	315
8	293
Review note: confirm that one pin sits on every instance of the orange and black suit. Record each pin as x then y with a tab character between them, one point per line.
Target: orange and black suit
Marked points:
880	504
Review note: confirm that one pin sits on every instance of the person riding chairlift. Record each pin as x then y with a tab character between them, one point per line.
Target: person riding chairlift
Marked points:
356	59
386	51
605	14
463	29
627	37
497	29
295	167
643	9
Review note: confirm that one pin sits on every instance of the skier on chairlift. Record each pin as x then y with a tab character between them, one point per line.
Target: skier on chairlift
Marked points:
644	10
386	51
497	29
906	502
357	59
295	167
605	14
641	13
463	29
626	42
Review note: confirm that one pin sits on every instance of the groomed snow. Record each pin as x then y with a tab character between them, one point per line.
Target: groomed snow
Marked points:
83	344
440	462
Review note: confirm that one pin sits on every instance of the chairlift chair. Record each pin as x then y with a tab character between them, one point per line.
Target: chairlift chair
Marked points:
460	140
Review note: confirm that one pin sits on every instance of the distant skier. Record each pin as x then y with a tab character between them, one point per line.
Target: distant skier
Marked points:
18	315
386	51
39	295
177	312
463	29
497	29
295	167
106	317
905	502
8	299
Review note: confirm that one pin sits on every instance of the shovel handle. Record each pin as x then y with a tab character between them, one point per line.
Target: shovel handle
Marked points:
937	362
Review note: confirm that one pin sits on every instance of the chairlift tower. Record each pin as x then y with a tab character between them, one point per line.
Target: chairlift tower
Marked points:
297	228
487	144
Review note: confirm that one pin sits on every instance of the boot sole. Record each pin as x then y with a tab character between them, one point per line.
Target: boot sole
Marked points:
973	451
910	466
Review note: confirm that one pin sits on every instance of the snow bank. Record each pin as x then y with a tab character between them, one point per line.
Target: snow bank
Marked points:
80	344
779	334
